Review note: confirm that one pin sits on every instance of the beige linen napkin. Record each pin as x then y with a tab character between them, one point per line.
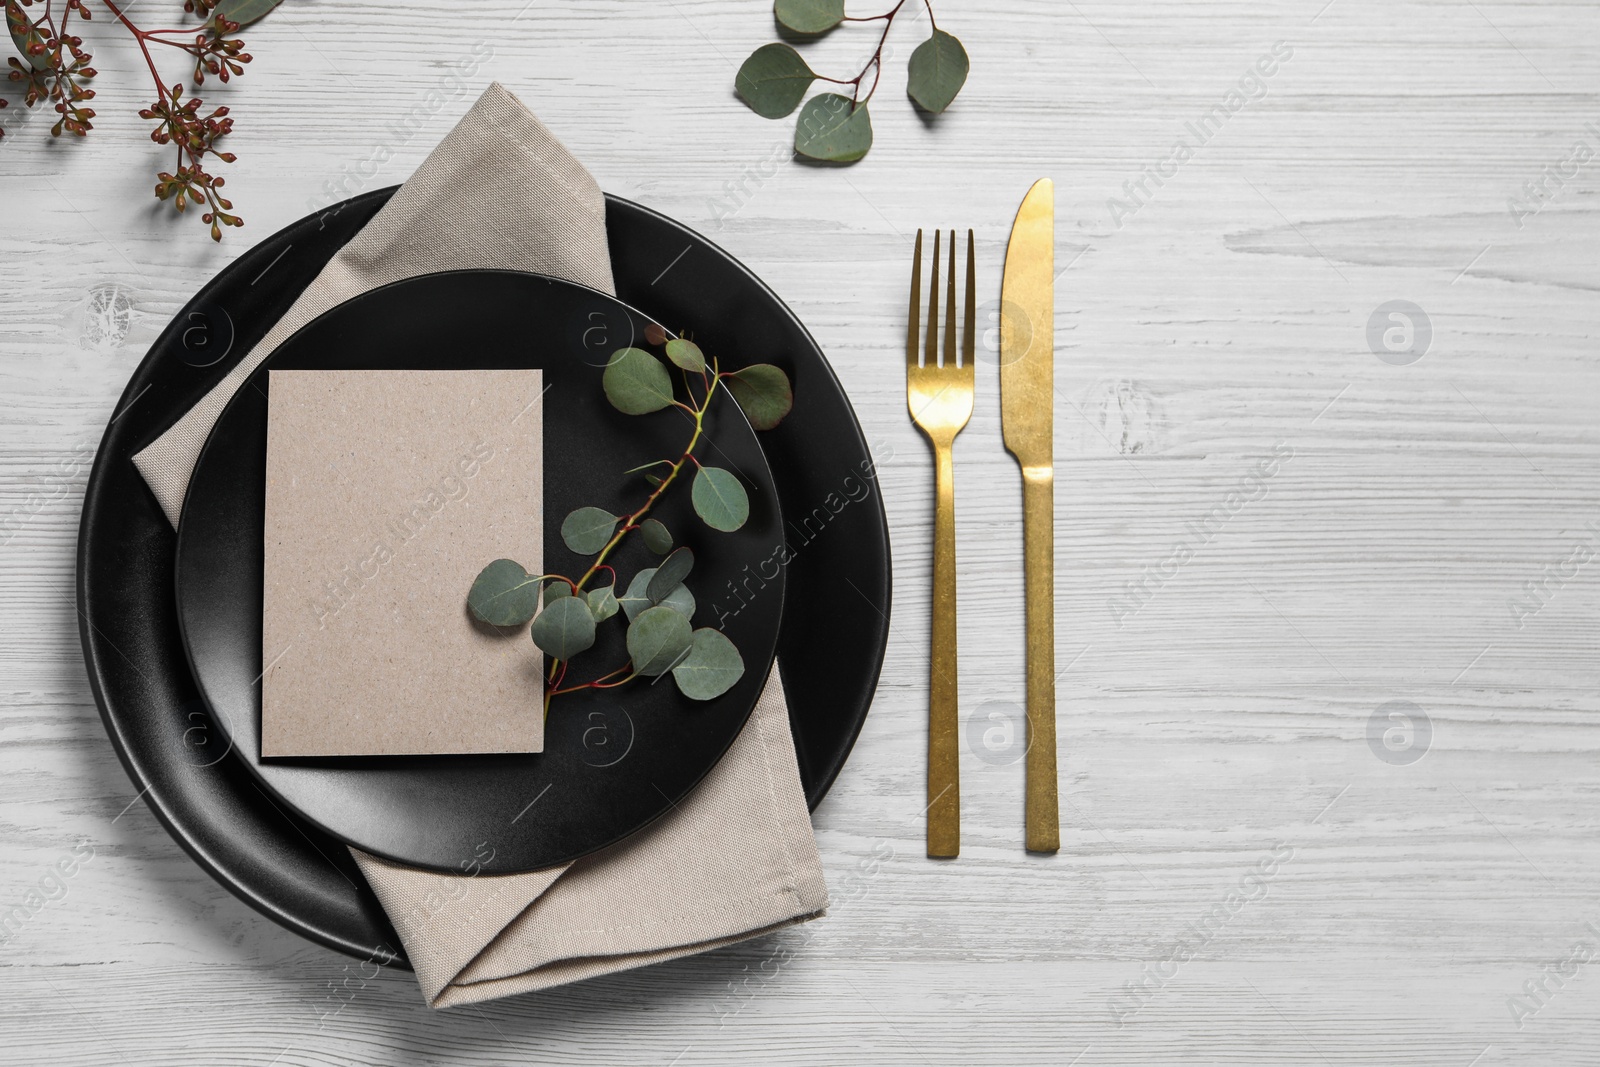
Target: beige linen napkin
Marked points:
500	192
737	857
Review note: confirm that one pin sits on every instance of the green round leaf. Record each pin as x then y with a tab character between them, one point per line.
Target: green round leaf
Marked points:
809	16
657	640
657	538
719	498
681	601
673	570
831	129
564	628
602	602
763	392
556	590
635	601
504	594
636	382
587	530
773	80
711	668
244	12
937	71
686	354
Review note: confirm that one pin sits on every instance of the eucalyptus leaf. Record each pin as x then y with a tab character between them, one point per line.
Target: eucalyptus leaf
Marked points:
587	530
937	71
244	12
657	538
504	594
773	80
556	590
711	668
719	498
833	129
564	628
763	392
809	16
636	382
681	601
686	354
673	570
657	640
602	602
635	601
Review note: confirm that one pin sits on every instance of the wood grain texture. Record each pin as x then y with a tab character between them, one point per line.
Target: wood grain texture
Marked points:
1218	730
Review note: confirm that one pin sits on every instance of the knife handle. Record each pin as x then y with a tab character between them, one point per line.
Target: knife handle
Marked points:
1038	549
944	771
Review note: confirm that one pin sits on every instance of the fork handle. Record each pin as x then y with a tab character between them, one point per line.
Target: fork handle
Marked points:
944	773
1043	822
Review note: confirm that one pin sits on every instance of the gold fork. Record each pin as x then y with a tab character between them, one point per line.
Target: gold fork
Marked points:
940	398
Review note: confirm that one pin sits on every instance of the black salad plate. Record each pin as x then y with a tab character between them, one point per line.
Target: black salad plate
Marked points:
837	552
613	759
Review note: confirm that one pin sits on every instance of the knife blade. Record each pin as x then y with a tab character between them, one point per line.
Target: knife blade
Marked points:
1027	410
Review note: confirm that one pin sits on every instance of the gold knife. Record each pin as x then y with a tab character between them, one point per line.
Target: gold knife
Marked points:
1027	408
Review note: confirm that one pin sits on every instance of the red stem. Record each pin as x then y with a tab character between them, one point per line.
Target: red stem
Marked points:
598	683
162	96
875	64
139	35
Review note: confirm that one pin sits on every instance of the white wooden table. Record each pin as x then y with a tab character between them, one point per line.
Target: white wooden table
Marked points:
1244	878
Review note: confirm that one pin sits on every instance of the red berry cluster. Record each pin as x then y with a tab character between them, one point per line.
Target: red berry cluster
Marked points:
53	67
196	135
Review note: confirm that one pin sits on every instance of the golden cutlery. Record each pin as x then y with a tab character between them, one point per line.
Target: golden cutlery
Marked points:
940	398
1027	372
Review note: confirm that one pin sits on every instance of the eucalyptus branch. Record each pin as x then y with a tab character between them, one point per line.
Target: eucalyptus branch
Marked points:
832	127
631	521
658	605
875	62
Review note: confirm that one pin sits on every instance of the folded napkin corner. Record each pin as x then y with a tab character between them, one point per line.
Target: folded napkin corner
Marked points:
734	860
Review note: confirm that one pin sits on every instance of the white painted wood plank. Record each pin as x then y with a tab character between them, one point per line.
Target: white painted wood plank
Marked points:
1226	717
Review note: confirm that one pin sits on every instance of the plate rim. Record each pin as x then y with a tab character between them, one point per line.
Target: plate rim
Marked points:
824	783
150	790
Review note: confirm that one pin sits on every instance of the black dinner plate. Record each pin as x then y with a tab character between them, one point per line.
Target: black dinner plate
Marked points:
211	804
614	759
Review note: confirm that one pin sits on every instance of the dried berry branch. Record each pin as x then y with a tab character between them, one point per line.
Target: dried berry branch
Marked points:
54	67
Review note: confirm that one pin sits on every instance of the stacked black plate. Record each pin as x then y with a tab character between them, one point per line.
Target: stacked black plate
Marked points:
208	792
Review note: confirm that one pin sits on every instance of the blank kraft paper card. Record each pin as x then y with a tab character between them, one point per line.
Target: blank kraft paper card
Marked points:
387	493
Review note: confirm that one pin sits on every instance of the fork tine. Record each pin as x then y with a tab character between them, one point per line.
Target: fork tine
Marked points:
969	333
931	359
913	334
950	309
